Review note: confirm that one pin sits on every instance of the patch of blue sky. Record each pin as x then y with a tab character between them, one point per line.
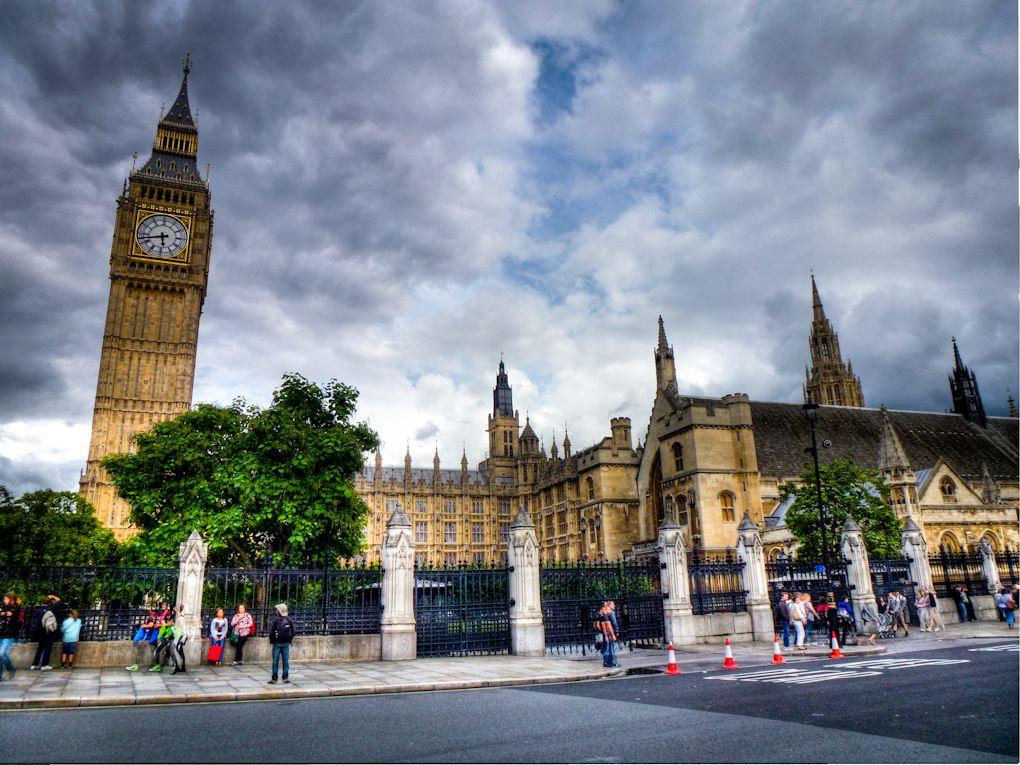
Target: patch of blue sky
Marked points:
561	66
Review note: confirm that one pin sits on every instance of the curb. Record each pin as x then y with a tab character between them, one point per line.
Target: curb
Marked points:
61	702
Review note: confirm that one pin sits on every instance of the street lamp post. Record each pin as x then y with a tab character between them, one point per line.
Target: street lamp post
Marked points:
811	413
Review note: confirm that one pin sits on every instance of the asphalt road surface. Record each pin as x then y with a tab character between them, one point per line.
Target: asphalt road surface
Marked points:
953	704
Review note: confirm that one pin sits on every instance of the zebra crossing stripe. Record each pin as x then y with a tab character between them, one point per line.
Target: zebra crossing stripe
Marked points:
1006	647
792	676
898	663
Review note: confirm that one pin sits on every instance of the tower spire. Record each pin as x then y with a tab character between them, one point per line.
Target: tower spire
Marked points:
665	366
502	394
963	387
830	381
1011	402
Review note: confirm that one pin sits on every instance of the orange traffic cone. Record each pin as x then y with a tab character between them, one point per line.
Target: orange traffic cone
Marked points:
672	668
777	655
728	662
835	653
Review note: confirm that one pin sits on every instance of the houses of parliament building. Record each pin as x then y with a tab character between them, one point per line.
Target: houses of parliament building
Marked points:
704	461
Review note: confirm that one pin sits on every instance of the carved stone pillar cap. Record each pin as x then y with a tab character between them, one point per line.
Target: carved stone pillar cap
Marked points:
668	522
522	520
399	519
746	524
910	524
850	525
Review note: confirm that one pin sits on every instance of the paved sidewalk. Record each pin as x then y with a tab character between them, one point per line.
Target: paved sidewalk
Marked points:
88	687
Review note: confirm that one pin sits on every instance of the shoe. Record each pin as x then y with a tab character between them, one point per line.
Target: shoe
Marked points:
176	672
156	668
10	673
46	668
272	682
286	680
33	667
132	668
233	664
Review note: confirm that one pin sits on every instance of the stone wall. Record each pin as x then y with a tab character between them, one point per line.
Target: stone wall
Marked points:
122	653
715	628
984	607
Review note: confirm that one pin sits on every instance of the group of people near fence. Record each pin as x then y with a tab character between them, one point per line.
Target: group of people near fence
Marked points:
1006	602
44	625
796	613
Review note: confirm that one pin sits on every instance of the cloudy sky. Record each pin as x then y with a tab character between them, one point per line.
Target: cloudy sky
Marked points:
405	190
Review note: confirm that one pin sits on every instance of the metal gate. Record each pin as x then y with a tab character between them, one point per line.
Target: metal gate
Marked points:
893	575
462	611
572	594
804	576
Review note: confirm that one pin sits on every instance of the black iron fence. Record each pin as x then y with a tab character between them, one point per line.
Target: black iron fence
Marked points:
716	581
333	601
572	594
893	575
950	570
808	577
1008	562
111	600
462	611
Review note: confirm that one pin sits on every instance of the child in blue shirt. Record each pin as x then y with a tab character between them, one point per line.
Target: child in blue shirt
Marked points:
70	630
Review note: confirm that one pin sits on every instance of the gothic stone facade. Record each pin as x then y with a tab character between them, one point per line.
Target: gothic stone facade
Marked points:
159	269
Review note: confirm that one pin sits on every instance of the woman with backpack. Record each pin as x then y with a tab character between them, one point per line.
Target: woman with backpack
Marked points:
281	634
46	630
242	627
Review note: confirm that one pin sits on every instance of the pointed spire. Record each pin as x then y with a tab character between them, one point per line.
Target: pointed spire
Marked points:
502	394
850	525
816	301
463	458
566	441
958	362
663	345
435	457
989	488
665	367
554	451
1011	402
746	524
891	456
180	113
964	389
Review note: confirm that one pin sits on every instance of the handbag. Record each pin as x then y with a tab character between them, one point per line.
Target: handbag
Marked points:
233	638
215	653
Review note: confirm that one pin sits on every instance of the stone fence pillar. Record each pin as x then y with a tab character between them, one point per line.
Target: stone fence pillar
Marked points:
676	584
398	632
527	629
858	572
916	549
191	559
755	579
989	567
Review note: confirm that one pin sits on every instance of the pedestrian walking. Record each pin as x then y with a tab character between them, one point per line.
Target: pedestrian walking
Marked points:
242	627
612	618
281	634
178	639
10	630
897	609
1007	606
798	617
933	612
782	616
70	631
46	630
968	604
922	608
217	637
869	622
845	613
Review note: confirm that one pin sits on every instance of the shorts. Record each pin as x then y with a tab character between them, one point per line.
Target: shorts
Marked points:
69	648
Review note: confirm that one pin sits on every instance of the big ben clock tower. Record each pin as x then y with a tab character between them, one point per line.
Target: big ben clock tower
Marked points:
159	269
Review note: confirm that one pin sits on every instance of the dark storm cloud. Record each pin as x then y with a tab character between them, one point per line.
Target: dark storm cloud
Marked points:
405	190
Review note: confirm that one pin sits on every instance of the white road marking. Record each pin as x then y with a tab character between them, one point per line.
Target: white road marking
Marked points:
792	676
1008	647
897	663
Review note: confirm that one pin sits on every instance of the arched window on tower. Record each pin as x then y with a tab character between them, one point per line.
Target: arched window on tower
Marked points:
678	456
825	349
589	487
726	502
948	488
681	510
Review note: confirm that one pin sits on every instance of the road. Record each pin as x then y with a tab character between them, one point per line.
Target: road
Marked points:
952	704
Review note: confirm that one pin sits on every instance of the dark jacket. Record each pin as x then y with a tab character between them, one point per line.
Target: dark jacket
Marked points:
10	621
783	610
281	630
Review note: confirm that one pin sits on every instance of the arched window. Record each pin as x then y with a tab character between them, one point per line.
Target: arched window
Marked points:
678	456
950	543
728	511
589	487
990	538
948	488
681	510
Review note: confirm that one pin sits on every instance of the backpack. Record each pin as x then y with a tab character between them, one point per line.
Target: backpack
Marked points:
49	622
284	630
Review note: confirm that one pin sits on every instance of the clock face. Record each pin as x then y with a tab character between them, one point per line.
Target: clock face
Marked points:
161	236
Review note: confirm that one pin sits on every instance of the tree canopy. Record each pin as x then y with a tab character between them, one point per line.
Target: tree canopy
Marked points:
846	490
277	481
53	528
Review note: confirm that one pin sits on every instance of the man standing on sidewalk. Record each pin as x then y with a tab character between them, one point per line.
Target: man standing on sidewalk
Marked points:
605	626
281	634
783	617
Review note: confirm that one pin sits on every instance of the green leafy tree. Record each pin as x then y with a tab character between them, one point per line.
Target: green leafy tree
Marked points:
846	490
252	481
53	528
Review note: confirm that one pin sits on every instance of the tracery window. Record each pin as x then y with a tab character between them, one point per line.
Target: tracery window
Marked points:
678	456
948	488
728	511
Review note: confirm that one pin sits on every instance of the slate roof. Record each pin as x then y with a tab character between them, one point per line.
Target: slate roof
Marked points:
186	168
781	433
396	473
